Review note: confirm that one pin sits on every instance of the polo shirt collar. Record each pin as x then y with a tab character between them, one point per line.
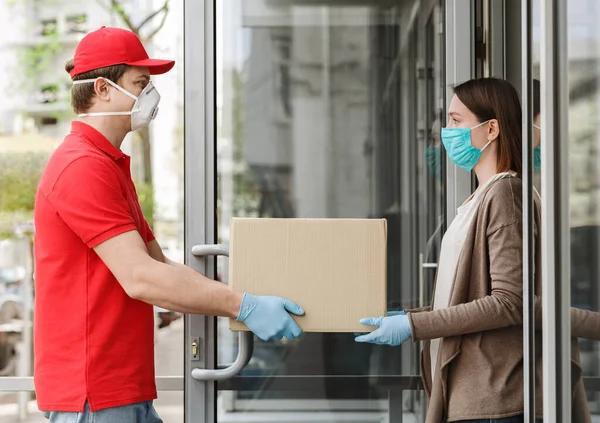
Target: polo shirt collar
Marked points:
97	139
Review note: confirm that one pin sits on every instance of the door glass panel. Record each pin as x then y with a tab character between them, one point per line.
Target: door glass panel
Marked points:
583	75
584	173
332	112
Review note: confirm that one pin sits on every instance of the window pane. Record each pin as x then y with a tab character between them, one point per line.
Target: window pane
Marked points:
584	174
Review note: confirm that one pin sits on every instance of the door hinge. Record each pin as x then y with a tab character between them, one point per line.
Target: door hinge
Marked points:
480	45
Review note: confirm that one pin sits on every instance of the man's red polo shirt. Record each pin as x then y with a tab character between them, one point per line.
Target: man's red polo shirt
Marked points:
91	340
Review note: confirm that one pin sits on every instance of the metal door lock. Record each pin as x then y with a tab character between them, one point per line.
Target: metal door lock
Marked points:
195	349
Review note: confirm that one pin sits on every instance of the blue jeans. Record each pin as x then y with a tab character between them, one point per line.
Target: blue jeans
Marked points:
142	412
514	419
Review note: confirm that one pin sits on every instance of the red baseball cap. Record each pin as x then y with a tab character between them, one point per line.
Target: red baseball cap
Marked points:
115	46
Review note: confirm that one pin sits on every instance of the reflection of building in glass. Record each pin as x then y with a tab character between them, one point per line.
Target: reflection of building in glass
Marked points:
320	114
307	120
584	198
332	123
584	167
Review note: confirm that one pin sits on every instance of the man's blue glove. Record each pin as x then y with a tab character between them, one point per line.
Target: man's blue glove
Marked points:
393	330
268	317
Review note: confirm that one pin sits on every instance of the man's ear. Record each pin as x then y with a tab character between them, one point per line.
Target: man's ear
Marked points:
102	89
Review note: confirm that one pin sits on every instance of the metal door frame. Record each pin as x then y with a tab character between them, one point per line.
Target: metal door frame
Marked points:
460	67
200	202
199	17
200	397
556	257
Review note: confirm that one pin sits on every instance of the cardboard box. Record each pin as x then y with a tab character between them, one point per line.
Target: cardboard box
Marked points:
335	269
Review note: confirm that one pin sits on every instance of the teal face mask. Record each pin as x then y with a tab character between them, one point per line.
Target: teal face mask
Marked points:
433	156
459	147
537	158
537	155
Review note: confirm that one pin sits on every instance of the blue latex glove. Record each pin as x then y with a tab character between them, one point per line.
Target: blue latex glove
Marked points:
268	317
388	314
393	330
395	313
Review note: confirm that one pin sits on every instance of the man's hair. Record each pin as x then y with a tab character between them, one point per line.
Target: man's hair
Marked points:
82	95
495	98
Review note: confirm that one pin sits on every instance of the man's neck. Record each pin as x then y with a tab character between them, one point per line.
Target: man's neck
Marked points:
113	134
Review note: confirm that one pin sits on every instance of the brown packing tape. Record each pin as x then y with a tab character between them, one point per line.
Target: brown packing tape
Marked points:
333	268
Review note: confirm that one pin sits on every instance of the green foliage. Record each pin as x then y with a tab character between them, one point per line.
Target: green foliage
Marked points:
145	194
10	221
36	59
246	200
19	177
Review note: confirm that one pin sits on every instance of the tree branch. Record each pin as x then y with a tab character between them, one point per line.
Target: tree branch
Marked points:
116	6
164	8
160	25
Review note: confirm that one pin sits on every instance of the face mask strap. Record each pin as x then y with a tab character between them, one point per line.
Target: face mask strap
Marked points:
105	114
486	146
489	142
84	81
480	124
88	81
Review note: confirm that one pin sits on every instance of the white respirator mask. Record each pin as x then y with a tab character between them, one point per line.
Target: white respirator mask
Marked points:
144	109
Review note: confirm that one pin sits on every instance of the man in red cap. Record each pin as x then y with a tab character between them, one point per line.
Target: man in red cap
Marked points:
99	270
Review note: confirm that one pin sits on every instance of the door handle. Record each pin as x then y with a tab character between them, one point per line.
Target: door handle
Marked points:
245	339
210	250
229	371
422	266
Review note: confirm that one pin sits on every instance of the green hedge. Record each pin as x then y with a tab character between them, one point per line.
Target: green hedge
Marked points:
146	198
19	177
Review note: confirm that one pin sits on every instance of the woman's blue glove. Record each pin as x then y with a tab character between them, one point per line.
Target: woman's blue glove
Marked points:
388	314
393	330
395	313
268	317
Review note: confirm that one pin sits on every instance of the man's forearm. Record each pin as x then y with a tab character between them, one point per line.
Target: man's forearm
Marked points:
176	264
177	287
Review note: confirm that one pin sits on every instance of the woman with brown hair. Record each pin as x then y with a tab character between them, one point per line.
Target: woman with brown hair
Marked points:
472	361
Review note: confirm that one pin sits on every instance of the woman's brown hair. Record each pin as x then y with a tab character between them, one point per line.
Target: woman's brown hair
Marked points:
495	98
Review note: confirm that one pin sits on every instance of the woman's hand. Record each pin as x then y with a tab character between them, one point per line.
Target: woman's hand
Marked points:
393	330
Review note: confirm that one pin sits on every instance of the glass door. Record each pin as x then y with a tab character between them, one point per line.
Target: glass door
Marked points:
316	109
568	62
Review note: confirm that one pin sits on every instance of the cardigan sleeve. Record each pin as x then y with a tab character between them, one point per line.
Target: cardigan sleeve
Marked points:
503	306
585	324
